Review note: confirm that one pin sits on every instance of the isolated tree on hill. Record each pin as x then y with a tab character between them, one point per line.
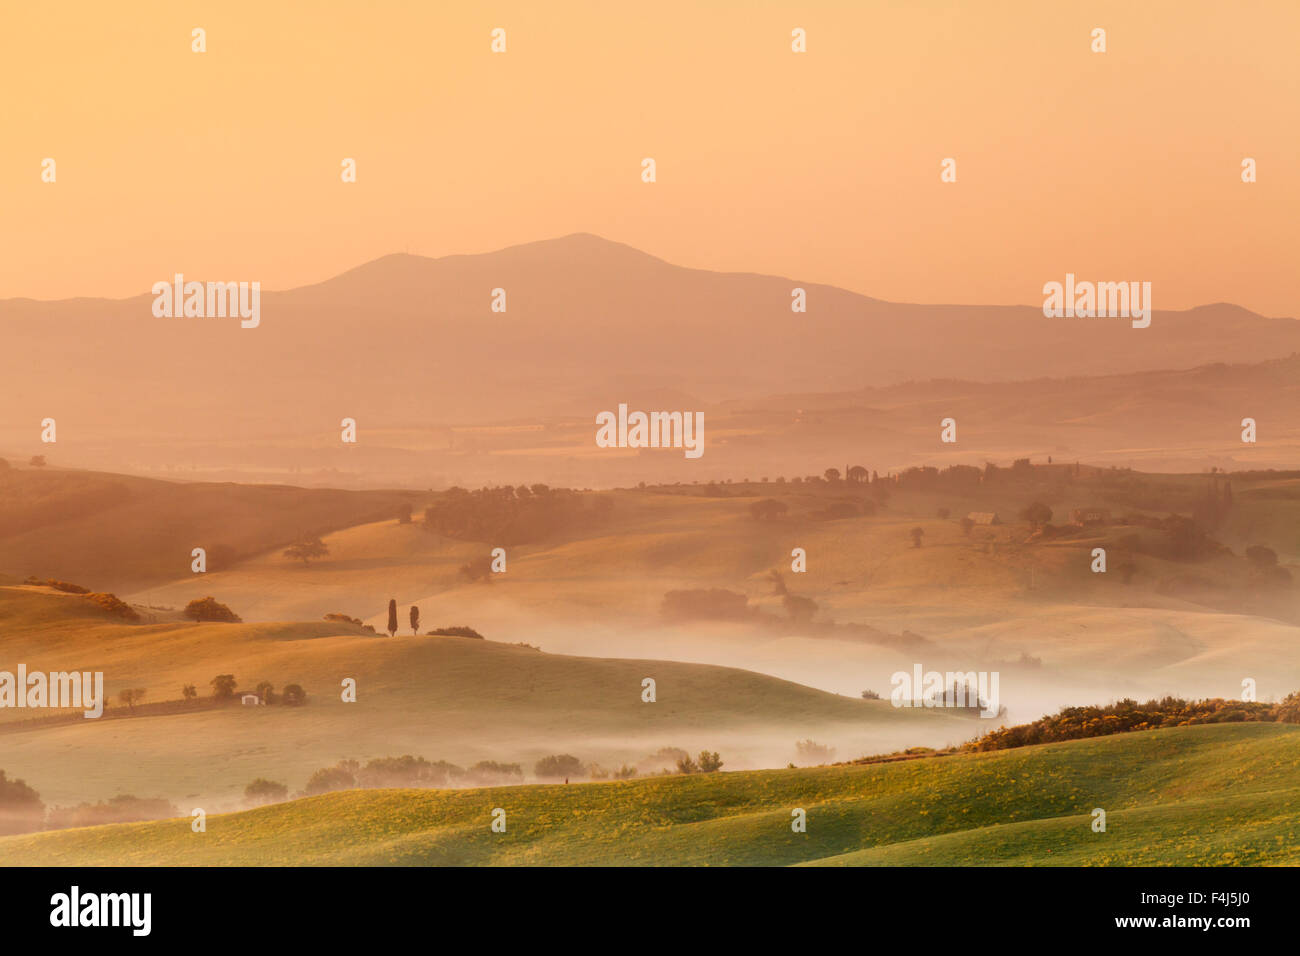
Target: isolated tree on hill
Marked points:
415	620
261	792
266	691
832	474
209	609
1286	712
709	762
1037	514
189	692
857	474
916	534
293	695
306	548
767	509
339	777
38	461
479	569
1261	557
558	765
131	697
223	686
392	617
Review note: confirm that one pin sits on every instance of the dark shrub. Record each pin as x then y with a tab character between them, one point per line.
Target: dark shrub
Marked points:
208	609
21	809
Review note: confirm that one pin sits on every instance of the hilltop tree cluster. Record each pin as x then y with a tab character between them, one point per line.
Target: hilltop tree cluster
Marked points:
719	604
404	771
209	609
114	606
123	808
63	586
1076	723
21	807
1184	539
224	687
348	619
307	548
506	516
706	762
23	811
110	603
458	630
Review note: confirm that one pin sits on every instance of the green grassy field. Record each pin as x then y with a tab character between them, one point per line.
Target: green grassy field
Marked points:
991	600
1224	794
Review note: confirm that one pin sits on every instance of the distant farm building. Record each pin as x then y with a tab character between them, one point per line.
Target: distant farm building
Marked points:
1086	516
984	517
250	700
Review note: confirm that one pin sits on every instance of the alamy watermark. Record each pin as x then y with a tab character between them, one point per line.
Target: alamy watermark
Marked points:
59	689
75	908
198	300
972	690
651	430
1111	300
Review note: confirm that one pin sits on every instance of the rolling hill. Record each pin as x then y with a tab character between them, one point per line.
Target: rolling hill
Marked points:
451	698
119	532
992	600
1214	795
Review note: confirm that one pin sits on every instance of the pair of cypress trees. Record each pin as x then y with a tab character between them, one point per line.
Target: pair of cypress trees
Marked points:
392	618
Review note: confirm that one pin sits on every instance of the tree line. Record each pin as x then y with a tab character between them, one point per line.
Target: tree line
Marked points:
506	515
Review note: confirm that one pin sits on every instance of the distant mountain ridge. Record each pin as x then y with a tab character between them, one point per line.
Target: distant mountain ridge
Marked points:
410	341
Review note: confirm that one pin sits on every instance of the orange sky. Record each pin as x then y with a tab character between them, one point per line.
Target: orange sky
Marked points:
823	166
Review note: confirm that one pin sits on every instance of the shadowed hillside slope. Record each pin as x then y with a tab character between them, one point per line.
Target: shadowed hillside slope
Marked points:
118	532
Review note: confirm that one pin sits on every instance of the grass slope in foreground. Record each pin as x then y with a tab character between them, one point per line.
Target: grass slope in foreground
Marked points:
1206	795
